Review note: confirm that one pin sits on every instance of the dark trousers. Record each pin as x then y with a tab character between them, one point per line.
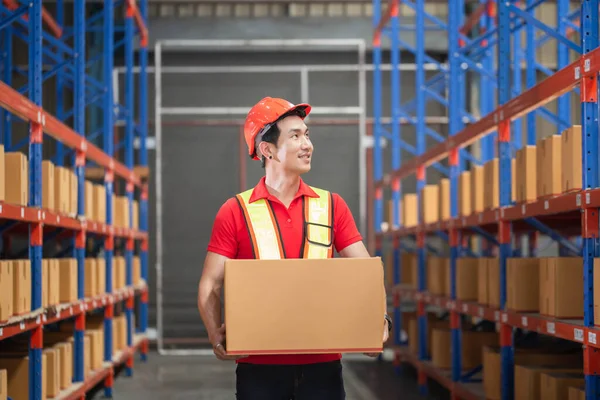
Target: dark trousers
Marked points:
321	381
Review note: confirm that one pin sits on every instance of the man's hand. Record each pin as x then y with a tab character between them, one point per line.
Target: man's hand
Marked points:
386	336
218	342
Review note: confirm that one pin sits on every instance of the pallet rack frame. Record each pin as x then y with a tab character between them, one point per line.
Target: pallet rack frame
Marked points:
48	45
499	25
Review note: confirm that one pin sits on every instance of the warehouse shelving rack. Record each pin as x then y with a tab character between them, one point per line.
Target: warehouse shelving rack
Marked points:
488	42
48	40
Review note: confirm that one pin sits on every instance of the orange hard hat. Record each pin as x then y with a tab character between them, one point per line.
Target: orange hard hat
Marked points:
264	114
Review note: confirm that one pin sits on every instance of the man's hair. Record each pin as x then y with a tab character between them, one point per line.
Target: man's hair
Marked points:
272	134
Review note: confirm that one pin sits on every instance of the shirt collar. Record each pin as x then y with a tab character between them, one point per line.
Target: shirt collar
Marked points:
261	192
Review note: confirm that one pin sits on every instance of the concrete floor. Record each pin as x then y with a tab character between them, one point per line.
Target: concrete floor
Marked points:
206	378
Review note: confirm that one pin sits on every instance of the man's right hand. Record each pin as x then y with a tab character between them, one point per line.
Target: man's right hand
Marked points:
218	343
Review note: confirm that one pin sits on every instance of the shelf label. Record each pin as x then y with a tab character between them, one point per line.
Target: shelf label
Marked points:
1	332
94	304
481	312
480	218
465	308
587	64
497	215
22	212
578	334
578	200
588	198
592	337
504	317
497	315
71	310
523	209
104	301
577	72
546	205
524	321
550	328
502	213
22	325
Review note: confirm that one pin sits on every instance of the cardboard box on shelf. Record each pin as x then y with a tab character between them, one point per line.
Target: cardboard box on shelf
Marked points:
330	305
444	200
571	159
526	174
48	185
16	178
561	287
6	290
522	284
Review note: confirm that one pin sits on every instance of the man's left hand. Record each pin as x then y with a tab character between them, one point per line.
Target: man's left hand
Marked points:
386	336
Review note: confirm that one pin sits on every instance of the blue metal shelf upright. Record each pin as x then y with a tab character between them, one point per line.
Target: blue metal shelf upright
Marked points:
485	51
80	144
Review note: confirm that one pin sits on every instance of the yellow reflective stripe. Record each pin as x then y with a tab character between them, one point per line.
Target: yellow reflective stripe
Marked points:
319	211
261	226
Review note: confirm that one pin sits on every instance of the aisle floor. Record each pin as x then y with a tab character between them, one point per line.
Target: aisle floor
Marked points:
205	378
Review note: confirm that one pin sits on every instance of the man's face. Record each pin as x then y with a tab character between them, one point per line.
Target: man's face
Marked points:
294	148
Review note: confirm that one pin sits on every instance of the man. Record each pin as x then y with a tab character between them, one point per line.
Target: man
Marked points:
276	135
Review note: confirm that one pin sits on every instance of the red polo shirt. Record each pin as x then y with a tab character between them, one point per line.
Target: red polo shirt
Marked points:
230	238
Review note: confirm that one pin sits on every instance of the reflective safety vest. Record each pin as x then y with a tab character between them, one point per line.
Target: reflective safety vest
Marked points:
266	236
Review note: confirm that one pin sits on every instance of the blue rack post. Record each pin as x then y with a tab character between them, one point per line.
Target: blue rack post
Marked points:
79	28
590	180
35	194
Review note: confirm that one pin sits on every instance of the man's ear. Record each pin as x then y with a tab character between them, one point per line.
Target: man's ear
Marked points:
265	150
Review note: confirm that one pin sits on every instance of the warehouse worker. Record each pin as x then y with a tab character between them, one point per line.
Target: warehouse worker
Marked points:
273	227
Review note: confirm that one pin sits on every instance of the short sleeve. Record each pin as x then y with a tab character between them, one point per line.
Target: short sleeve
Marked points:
223	239
344	227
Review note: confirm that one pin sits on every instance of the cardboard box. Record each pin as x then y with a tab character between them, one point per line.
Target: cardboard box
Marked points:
91	276
561	287
61	189
330	305
576	393
466	278
16	178
552	166
526	174
464	194
100	203
52	372
528	379
408	216
494	282
73	193
6	290
491	172
555	385
444	200
136	215
522	284
89	201
101	275
21	286
483	278
413	330
437	275
571	159
3	385
477	188
430	209
66	364
68	280
118	281
137	271
48	185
